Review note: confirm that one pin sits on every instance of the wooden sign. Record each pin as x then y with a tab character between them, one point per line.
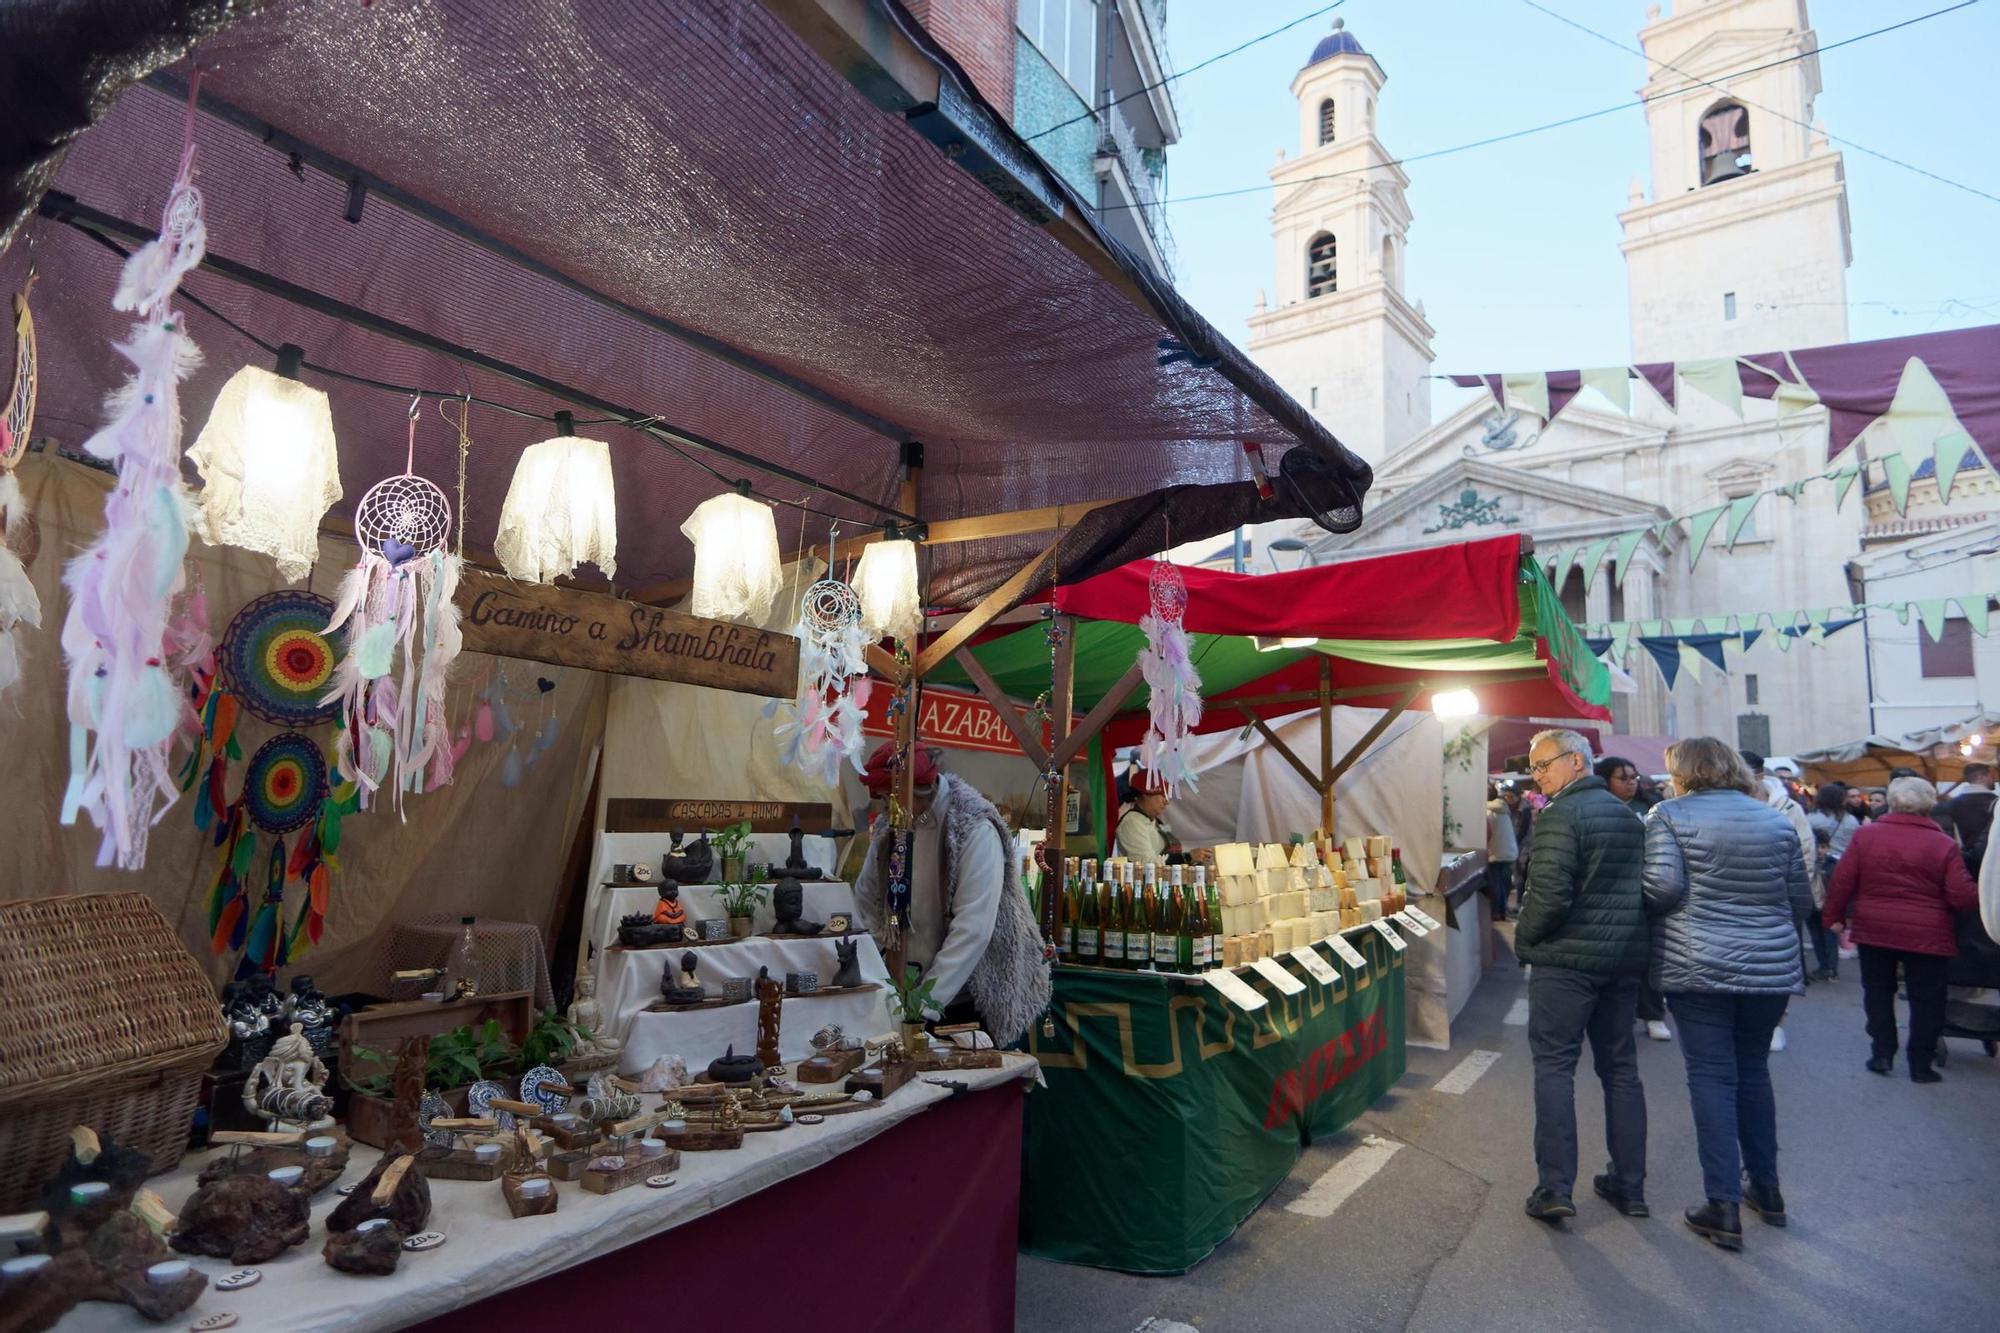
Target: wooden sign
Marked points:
570	627
624	814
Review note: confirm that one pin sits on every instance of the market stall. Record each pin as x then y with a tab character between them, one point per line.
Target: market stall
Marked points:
533	461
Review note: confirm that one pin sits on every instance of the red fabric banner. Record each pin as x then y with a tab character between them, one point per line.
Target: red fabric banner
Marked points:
1463	591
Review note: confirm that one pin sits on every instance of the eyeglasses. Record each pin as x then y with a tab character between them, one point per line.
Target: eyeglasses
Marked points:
1537	769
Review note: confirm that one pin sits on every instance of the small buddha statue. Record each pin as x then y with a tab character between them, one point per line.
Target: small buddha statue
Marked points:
586	1016
670	913
788	900
680	986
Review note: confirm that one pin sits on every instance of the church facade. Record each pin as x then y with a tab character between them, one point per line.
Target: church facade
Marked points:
1741	246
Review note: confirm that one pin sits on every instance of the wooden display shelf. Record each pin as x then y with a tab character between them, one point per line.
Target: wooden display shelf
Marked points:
710	944
717	1002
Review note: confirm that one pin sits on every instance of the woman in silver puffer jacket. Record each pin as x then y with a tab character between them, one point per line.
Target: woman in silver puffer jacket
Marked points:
1725	884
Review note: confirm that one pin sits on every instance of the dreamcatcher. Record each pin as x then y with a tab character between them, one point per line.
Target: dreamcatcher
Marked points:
494	720
823	726
396	603
117	638
275	662
19	604
1173	685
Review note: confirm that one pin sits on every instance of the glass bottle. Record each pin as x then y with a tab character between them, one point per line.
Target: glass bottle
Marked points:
461	974
1212	905
1113	919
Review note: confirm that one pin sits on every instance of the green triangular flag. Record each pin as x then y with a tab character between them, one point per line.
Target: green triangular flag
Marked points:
1699	526
1682	626
1593	556
1614	382
1715	377
1740	510
1527	390
1627	544
1843	477
1650	630
1951	453
1621	644
1559	566
1974	610
1897	469
1902	613
1691	660
1931	611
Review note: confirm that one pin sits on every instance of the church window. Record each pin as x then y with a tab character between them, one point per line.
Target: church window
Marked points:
1729	305
1750	689
1725	142
1950	654
1320	261
1326	121
1313	397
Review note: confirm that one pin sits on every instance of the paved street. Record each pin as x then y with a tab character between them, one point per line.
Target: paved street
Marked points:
1412	1218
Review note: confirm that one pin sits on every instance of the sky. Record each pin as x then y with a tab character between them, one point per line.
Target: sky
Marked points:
1514	247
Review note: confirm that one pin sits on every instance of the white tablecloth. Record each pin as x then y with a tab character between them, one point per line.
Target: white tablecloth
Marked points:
822	899
629	980
486	1251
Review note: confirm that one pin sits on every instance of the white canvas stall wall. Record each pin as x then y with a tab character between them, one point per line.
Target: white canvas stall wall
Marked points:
1249	793
476	846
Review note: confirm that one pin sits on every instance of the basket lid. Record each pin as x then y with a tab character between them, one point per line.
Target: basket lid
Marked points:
97	983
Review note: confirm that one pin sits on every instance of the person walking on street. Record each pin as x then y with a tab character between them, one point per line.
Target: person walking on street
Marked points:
1833	829
1501	851
1524	828
1725	882
1779	797
1582	928
1899	885
1621	777
1972	814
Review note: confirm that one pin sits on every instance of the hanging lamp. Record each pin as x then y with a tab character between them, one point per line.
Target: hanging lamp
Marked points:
268	465
736	561
561	509
886	582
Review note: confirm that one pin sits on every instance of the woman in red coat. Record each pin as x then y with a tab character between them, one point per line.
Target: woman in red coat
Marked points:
1897	889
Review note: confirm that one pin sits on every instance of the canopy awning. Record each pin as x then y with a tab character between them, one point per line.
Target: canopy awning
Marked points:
1938	753
1505	637
685	224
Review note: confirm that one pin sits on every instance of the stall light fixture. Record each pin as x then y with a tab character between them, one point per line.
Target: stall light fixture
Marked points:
561	509
737	569
885	580
1454	703
268	465
1264	645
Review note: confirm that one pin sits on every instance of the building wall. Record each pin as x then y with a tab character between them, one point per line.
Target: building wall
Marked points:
1042	98
980	36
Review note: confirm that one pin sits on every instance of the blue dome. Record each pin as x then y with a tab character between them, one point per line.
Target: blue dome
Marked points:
1339	42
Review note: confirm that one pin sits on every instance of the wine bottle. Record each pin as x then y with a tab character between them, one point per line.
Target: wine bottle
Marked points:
1138	932
1166	928
1396	874
1072	908
1090	929
1212	898
1114	921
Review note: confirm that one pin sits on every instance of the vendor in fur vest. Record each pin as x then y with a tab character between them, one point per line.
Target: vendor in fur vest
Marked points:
970	930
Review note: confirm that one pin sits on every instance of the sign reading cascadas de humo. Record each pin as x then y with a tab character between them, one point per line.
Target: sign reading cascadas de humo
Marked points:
571	627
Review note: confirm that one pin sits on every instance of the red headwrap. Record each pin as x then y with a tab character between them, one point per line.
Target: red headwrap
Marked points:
878	777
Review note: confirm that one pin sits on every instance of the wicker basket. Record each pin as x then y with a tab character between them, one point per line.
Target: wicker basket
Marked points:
106	1021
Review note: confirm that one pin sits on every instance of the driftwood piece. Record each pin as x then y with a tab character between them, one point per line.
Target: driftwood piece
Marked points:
406	1130
319	1171
406	1201
522	1205
121	1250
243	1218
601	1179
91	1161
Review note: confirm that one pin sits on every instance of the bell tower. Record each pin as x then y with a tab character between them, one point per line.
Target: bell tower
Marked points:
1340	335
1744	245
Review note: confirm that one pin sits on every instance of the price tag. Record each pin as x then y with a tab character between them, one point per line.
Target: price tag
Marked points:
1422	918
1411	924
1235	989
1347	952
1316	965
1388	932
1272	971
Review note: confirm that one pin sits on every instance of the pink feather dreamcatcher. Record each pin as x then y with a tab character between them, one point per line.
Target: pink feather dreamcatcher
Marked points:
402	636
823	727
122	645
1173	685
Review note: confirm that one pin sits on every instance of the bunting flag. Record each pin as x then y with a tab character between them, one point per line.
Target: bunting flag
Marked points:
1974	611
1666	655
1716	377
1740	510
1614	382
1529	392
1627	544
1699	526
1930	610
1950	454
1592	557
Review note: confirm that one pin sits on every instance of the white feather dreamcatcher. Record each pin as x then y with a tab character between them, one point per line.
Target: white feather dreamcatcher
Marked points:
402	636
824	726
1173	685
19	605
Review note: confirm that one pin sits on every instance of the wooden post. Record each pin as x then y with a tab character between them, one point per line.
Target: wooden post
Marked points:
1062	697
1326	747
904	796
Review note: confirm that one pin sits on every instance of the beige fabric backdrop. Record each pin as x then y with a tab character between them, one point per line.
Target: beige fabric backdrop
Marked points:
477	846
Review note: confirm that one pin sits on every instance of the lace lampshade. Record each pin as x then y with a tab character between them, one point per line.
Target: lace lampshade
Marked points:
269	468
736	563
560	511
886	581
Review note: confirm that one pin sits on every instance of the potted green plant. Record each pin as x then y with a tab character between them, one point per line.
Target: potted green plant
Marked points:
908	998
458	1059
741	897
731	842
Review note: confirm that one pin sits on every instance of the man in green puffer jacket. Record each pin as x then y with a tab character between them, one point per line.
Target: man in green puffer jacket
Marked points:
1582	927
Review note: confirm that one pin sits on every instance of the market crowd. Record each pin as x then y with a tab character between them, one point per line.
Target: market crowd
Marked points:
1700	901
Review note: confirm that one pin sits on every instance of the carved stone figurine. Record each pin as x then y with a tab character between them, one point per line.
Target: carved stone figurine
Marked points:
693	866
284	1088
770	998
796	865
788	900
849	954
683	986
586	1015
670	913
307	1007
253	1011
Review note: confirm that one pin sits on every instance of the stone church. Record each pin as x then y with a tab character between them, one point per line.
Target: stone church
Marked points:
1741	245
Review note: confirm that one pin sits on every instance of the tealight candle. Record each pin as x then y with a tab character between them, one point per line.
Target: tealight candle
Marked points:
566	1119
25	1266
486	1153
372	1223
89	1192
534	1187
650	1147
321	1145
167	1272
287	1176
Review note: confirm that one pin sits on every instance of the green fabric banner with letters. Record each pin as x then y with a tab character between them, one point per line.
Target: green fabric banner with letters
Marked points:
1169	1113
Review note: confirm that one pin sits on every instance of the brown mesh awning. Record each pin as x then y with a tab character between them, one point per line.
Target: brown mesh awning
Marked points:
677	208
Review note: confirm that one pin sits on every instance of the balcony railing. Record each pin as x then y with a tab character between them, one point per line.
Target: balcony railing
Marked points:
1146	171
